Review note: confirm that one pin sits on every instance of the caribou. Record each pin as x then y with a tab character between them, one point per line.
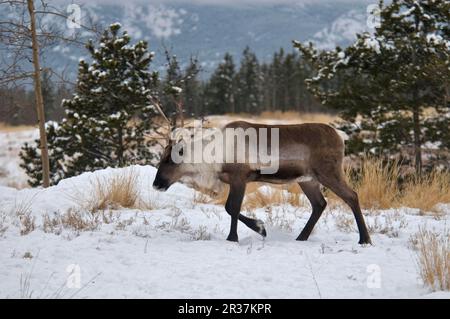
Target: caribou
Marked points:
310	154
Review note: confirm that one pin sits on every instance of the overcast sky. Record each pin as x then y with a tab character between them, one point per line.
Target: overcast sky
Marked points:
221	2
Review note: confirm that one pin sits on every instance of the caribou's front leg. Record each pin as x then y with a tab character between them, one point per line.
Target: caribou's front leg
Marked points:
233	206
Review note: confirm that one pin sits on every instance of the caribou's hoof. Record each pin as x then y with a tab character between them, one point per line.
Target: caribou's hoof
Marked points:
233	238
365	241
302	237
260	228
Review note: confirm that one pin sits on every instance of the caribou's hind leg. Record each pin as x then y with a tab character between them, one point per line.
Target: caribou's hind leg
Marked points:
335	181
318	203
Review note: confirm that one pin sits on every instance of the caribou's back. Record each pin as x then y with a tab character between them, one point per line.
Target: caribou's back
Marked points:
302	147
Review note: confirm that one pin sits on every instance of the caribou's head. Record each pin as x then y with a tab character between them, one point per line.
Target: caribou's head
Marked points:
176	160
169	170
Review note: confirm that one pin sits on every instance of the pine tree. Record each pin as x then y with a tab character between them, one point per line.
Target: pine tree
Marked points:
248	84
192	89
279	79
220	91
107	116
390	77
172	86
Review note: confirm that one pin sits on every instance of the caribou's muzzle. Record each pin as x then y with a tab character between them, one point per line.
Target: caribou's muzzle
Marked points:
161	185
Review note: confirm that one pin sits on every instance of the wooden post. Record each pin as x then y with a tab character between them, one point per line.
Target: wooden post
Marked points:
39	99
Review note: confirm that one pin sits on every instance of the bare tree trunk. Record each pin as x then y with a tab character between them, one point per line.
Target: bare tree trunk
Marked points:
180	110
416	115
417	139
38	97
120	149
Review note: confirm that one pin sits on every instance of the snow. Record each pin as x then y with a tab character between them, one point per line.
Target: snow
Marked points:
177	89
177	249
115	24
342	30
10	144
97	90
373	44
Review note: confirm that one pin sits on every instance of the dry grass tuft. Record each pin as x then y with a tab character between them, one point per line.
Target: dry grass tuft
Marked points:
27	224
272	196
23	211
379	187
279	218
376	184
390	224
3	223
118	190
433	256
73	219
426	192
345	222
202	198
79	221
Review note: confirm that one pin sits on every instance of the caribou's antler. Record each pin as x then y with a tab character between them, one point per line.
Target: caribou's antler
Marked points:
159	109
161	136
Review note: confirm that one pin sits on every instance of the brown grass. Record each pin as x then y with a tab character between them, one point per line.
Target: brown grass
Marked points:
79	221
73	219
23	211
298	117
271	196
345	222
377	184
433	257
255	197
118	190
289	117
14	128
378	187
27	224
426	192
3	223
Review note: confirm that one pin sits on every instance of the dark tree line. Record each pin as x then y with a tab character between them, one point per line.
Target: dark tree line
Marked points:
251	87
17	104
248	87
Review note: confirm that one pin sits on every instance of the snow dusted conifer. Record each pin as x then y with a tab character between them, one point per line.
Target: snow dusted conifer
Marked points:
107	116
389	78
248	83
219	92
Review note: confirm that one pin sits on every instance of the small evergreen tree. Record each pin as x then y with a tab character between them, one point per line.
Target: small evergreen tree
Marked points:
220	90
192	89
387	79
107	116
248	84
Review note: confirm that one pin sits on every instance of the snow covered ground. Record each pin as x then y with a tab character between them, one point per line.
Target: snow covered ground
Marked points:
10	143
175	247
